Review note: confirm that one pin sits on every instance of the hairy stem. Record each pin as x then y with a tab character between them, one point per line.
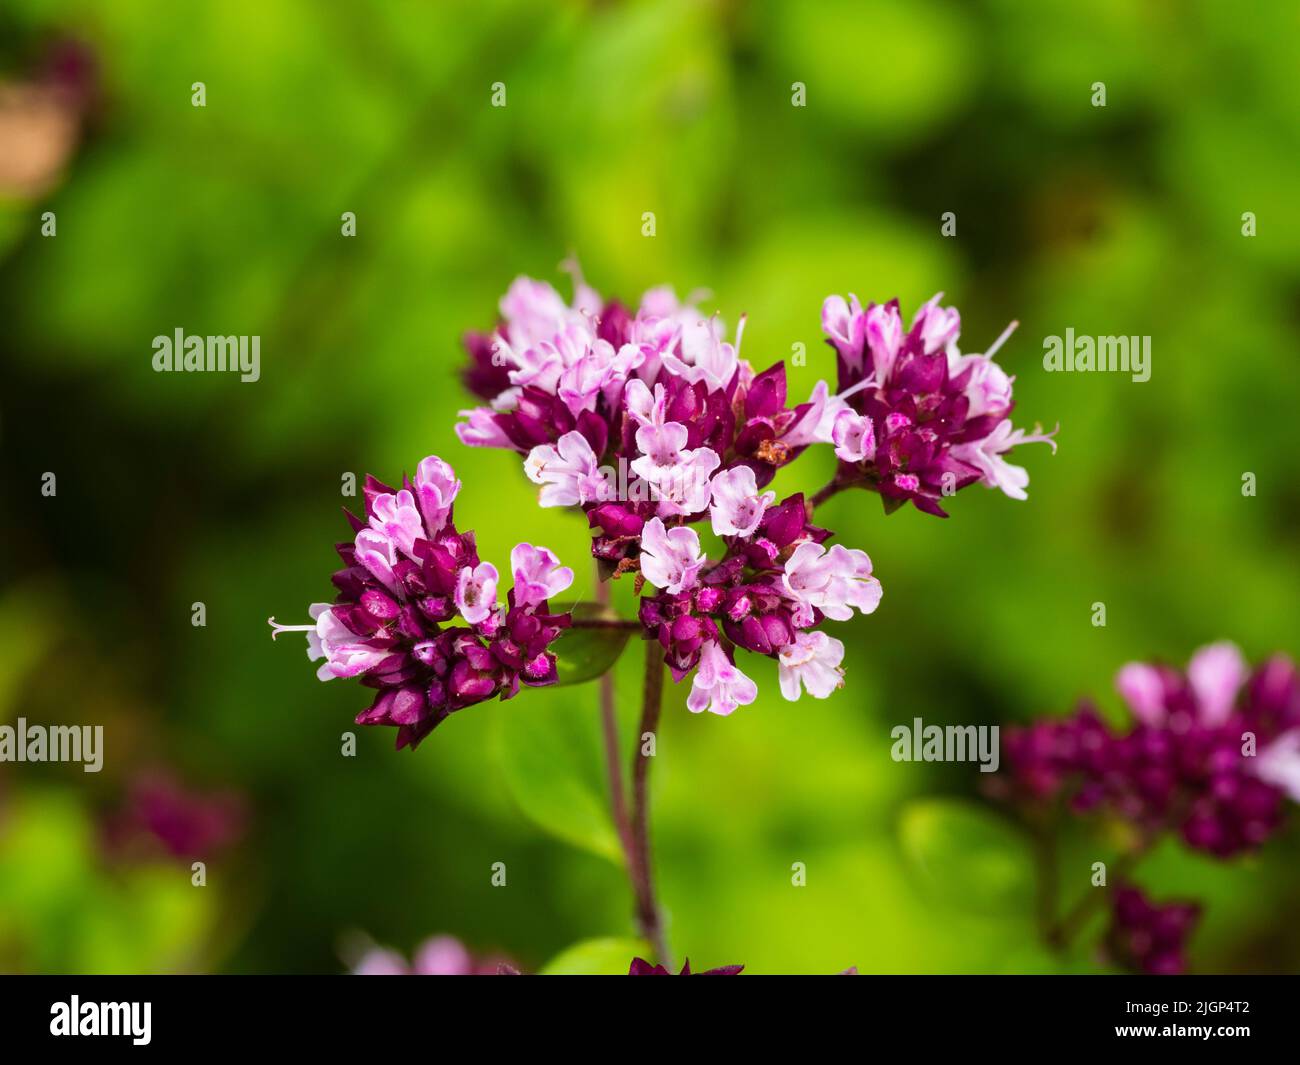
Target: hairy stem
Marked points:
613	764
834	488
647	909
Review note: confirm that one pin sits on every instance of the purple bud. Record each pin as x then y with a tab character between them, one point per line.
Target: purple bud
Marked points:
379	606
784	523
766	396
707	599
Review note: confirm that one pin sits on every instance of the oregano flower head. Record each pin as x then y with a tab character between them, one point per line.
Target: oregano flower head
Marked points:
1213	752
651	422
418	616
1149	937
914	418
641	967
442	955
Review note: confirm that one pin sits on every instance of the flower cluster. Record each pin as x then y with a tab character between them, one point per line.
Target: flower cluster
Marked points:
628	416
1149	937
651	422
436	956
914	418
1213	753
641	967
765	595
160	812
407	576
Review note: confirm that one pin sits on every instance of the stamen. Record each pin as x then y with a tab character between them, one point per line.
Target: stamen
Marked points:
866	382
278	628
993	349
573	268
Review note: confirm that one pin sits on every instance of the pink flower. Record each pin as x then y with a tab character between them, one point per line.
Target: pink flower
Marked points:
680	474
670	558
534	312
345	653
543	365
719	686
629	359
395	516
378	554
568	471
939	327
443	956
845	326
538	574
1143	688
1216	674
813	660
436	956
581	385
853	436
834	582
705	355
381	962
646	408
684	489
1279	764
661	450
737	506
481	430
476	592
989	387
436	488
986	456
884	331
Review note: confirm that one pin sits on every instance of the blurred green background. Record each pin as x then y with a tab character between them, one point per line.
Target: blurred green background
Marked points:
174	489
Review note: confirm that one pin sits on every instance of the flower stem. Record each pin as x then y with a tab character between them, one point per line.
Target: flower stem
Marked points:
833	488
633	832
609	730
640	869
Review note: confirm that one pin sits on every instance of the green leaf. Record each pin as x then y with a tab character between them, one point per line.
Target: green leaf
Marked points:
585	654
967	857
596	957
552	758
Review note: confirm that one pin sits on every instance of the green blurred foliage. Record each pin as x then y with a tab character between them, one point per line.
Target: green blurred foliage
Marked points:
175	489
